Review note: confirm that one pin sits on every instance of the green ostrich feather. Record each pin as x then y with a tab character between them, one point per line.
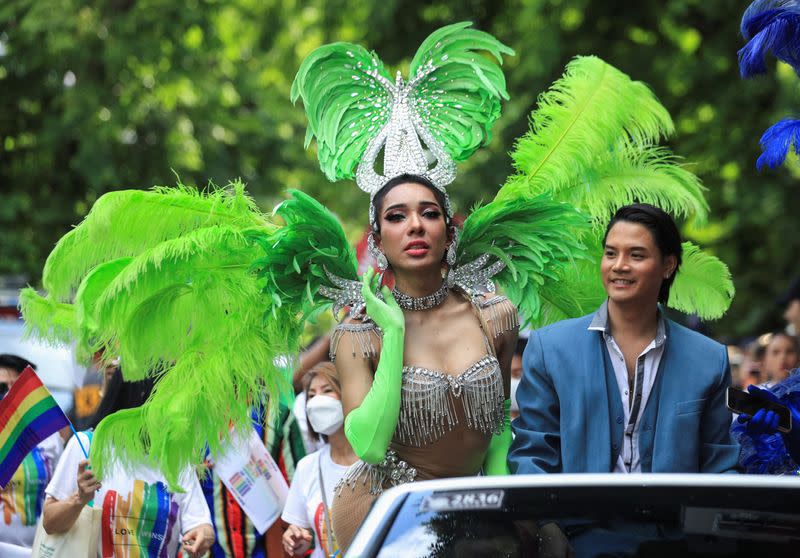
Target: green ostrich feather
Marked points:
166	280
644	174
51	321
295	259
345	105
460	99
128	222
703	285
536	238
593	145
580	119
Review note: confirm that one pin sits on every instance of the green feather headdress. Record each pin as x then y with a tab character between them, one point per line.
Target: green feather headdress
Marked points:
445	110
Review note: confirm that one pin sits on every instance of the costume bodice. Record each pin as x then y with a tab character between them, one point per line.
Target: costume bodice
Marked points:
435	402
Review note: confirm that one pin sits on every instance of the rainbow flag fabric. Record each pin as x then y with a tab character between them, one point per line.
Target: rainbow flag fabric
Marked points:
28	415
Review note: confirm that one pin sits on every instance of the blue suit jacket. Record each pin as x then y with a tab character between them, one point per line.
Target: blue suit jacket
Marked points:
571	416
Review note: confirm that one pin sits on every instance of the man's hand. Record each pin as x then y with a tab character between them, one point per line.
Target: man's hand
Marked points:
296	540
197	541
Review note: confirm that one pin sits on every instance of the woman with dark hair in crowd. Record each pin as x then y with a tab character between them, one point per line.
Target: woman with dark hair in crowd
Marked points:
130	497
21	501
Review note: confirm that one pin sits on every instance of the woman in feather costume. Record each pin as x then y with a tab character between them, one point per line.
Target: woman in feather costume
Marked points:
212	289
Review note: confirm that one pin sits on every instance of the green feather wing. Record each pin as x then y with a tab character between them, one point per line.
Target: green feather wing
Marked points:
346	103
127	222
49	320
703	285
457	89
537	239
295	261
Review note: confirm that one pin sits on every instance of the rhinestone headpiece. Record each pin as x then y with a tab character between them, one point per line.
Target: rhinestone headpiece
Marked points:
401	140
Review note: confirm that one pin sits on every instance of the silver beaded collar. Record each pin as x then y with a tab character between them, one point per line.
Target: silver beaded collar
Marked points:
422	303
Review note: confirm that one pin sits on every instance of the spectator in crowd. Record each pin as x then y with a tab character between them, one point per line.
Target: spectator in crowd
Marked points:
790	300
625	389
752	362
234	534
129	496
307	509
780	356
21	501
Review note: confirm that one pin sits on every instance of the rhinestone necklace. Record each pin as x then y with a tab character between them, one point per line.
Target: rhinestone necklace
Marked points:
422	303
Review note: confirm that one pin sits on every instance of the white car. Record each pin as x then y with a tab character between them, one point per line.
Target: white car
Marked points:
592	515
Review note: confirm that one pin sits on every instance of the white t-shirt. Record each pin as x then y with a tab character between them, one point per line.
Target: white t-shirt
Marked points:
304	504
22	500
138	510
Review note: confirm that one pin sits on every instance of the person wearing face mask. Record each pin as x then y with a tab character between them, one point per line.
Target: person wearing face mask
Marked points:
307	509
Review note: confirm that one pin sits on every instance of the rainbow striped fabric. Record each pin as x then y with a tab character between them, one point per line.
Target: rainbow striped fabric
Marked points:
28	415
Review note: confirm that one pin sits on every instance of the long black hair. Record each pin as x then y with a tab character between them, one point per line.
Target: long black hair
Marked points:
662	228
119	395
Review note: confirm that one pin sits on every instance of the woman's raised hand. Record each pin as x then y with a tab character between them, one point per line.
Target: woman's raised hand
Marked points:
386	313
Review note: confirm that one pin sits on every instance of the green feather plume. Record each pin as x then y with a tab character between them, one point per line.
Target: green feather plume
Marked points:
459	100
51	321
645	175
593	145
703	285
128	222
345	104
166	280
295	259
579	120
535	237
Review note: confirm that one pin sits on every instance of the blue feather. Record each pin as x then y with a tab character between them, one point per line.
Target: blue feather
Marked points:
770	25
776	142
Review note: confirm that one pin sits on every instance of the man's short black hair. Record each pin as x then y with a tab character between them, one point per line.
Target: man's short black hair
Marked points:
15	362
665	234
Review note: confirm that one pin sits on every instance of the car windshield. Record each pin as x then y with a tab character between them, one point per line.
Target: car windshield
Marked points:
595	522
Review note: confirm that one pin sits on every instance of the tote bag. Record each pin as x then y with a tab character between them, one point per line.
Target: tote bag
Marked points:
80	541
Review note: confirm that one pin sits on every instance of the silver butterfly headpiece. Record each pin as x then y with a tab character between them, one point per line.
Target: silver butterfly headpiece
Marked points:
401	141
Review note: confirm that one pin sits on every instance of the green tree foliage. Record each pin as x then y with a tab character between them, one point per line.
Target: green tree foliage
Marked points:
112	94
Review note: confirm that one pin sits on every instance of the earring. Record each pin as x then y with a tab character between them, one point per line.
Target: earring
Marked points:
451	250
383	263
379	256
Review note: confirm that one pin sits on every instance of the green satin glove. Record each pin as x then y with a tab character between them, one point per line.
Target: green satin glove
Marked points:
370	426
496	462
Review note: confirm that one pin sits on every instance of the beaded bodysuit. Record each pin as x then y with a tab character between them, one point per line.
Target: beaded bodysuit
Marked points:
454	414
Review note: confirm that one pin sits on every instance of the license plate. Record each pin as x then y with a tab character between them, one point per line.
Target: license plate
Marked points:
463	500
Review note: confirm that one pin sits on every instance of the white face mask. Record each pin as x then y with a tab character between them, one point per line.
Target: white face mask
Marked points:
325	414
514	386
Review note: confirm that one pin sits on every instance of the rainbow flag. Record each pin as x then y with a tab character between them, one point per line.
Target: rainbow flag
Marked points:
28	415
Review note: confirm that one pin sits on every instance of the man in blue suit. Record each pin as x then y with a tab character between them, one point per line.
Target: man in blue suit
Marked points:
625	389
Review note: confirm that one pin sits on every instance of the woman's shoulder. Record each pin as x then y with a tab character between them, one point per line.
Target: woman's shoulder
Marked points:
309	462
498	312
360	336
